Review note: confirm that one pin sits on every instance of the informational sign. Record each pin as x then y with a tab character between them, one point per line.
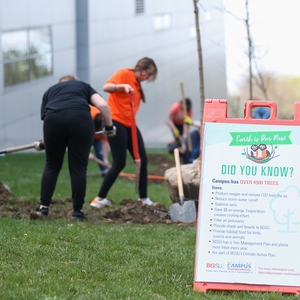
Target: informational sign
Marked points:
248	226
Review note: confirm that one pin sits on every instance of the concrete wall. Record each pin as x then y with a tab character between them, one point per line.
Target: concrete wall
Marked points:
20	105
116	38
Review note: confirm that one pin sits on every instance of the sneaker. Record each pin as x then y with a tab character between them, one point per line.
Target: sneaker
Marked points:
43	210
78	216
146	201
39	213
100	203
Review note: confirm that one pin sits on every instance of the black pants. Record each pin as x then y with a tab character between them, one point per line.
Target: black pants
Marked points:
72	130
119	144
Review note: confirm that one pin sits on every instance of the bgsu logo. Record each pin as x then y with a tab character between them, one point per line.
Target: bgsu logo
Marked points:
214	265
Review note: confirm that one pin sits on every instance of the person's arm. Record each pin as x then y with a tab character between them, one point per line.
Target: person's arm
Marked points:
101	104
170	122
118	87
175	131
197	124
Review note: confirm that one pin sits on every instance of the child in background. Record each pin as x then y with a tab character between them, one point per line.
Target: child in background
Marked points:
100	143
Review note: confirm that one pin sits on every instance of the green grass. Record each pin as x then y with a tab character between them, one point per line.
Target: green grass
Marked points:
21	172
62	259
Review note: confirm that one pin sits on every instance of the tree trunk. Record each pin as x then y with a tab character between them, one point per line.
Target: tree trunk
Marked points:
250	52
201	76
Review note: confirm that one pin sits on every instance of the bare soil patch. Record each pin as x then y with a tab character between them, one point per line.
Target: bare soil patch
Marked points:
129	210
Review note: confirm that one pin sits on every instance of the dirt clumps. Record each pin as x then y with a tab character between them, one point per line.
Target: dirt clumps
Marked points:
163	163
128	210
137	212
5	194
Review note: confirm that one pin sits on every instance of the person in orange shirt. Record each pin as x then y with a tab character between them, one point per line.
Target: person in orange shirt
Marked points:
177	119
100	143
119	86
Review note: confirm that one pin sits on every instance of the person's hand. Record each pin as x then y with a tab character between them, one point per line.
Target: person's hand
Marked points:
128	88
176	132
109	131
39	145
187	120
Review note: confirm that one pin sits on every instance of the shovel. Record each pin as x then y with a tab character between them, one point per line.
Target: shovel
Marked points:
189	141
135	147
101	162
185	211
37	145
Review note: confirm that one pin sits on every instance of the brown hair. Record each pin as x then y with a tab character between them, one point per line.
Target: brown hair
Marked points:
98	122
188	103
68	78
144	64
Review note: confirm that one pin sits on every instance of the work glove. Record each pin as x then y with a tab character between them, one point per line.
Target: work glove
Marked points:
109	131
176	132
187	120
39	145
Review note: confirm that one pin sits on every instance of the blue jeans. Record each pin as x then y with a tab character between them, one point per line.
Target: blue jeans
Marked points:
97	144
188	156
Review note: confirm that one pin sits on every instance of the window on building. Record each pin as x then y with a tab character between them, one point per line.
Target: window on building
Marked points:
139	7
162	22
27	55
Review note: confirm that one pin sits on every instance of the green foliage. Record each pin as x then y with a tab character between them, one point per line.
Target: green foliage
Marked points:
284	90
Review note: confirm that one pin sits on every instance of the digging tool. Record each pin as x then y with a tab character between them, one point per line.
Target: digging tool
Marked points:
134	138
98	132
185	211
37	145
189	141
99	161
153	177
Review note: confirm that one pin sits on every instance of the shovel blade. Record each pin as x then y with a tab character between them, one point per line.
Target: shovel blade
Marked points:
185	213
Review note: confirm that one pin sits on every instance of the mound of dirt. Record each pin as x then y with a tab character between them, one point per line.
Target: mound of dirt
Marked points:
137	212
5	194
129	210
164	163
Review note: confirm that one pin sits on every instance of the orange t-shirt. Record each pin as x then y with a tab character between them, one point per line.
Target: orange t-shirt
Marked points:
94	111
119	102
176	113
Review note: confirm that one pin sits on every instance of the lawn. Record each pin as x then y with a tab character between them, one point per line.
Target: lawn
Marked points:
63	259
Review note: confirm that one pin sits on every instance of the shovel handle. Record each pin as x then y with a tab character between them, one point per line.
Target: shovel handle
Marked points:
18	148
189	140
98	132
135	146
99	161
179	178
